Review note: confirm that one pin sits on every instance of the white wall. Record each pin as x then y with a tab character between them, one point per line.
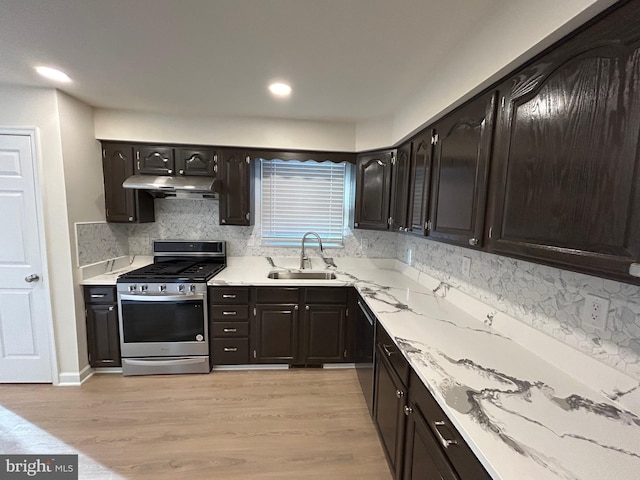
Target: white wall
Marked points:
34	107
514	32
84	190
250	132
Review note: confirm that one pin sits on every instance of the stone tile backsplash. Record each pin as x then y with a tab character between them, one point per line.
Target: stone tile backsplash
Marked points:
99	241
546	298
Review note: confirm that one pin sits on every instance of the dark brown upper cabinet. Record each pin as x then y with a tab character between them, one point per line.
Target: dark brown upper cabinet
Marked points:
401	170
155	160
373	190
199	162
235	187
123	205
461	154
420	181
567	168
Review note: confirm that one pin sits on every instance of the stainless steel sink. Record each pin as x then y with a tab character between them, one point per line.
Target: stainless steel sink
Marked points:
302	275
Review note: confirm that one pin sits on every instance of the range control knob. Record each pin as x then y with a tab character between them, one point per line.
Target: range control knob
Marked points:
192	288
133	288
144	287
162	288
181	288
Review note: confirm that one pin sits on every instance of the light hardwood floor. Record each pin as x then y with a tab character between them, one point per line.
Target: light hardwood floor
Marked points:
267	424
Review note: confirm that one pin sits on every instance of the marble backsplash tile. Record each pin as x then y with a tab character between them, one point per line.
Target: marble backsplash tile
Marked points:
199	219
546	298
98	241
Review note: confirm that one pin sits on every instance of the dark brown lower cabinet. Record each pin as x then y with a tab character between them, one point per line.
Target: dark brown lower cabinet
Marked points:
302	326
229	325
103	336
388	412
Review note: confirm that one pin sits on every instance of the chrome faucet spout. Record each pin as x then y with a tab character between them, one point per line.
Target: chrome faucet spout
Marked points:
303	258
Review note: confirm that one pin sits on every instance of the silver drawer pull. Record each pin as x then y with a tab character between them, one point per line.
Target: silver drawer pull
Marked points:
98	295
229	295
443	441
230	349
229	313
386	350
229	330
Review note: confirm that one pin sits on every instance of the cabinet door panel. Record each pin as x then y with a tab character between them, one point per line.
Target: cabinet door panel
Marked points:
400	188
196	162
568	152
275	334
117	165
155	160
373	183
388	411
461	168
421	159
324	333
103	335
235	188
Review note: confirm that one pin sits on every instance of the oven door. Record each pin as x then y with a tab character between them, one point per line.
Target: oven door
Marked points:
163	325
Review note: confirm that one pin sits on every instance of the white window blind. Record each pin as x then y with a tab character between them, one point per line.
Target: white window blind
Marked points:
297	197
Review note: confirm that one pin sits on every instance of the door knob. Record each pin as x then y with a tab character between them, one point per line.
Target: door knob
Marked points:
31	278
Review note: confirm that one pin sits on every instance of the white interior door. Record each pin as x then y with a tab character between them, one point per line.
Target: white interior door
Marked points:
25	352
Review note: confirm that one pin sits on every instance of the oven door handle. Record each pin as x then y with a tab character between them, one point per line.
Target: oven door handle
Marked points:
162	298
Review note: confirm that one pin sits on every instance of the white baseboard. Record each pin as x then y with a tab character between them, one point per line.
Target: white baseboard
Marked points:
74	379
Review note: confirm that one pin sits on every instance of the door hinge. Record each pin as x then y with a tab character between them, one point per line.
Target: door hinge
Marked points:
393	160
255	311
434	139
345	354
254	354
247	159
490	232
502	102
390	221
138	156
247	215
427	226
346	313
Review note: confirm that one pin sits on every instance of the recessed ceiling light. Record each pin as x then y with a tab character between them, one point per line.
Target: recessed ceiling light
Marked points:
53	74
280	89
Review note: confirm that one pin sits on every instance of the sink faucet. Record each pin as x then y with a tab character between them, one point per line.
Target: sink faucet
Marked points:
303	257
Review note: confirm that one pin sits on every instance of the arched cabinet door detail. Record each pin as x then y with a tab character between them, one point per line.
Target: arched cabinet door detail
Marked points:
373	188
462	152
567	171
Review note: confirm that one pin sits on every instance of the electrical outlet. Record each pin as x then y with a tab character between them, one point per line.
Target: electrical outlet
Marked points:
466	266
595	312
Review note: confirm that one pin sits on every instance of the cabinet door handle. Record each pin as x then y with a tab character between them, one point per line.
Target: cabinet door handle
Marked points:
399	393
307	308
443	441
387	351
111	309
473	241
230	349
230	313
229	295
229	330
98	295
408	410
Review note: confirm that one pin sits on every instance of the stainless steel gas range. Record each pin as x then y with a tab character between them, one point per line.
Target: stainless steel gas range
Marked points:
163	309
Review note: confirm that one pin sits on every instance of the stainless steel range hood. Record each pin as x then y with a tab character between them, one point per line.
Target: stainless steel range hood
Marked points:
169	186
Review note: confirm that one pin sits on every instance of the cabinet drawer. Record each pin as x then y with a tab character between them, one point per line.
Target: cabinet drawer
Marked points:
228	295
277	295
393	354
466	464
334	295
229	313
230	329
100	294
230	351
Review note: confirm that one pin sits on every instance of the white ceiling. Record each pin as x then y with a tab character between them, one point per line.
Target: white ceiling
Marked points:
347	60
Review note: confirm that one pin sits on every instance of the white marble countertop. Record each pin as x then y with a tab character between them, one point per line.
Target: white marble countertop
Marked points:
523	415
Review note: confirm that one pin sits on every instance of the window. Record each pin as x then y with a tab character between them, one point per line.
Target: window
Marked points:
297	197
